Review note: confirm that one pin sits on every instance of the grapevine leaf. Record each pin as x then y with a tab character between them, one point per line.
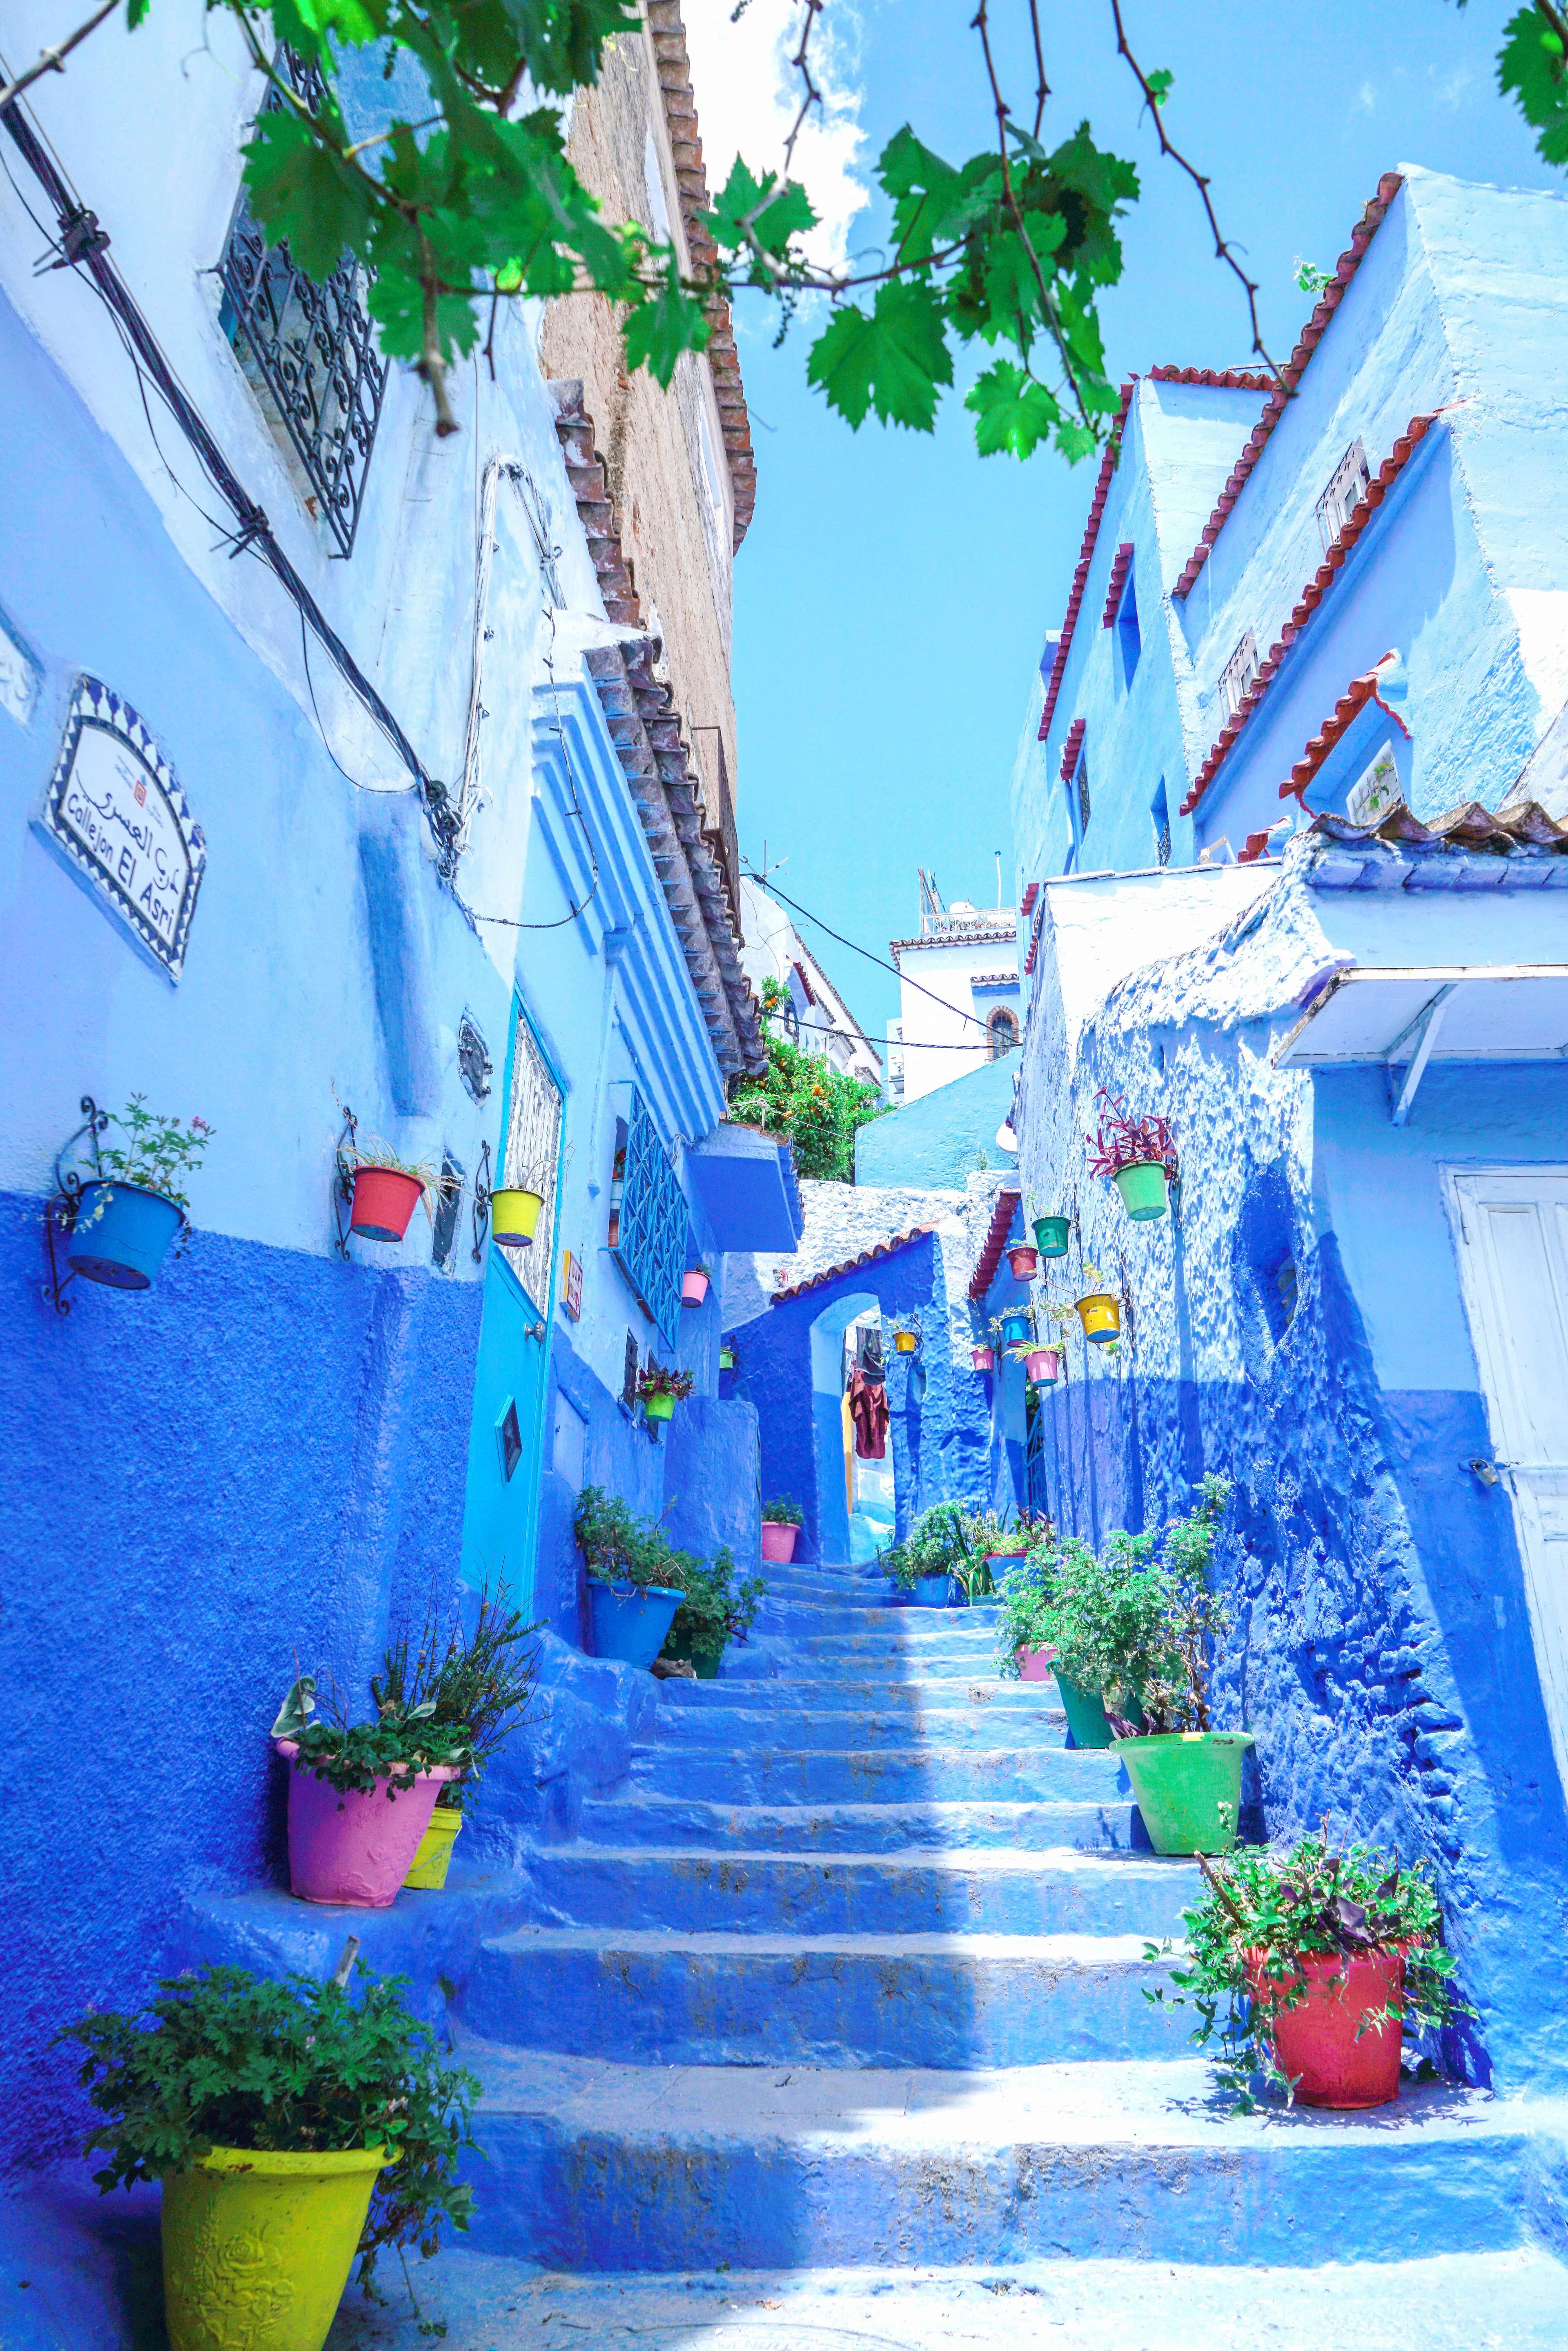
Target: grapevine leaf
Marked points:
777	213
1013	414
895	360
668	323
299	190
1530	64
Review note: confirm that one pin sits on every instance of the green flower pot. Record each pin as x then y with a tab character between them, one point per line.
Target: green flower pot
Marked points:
1143	1190
1188	1785
704	1663
1085	1712
1051	1235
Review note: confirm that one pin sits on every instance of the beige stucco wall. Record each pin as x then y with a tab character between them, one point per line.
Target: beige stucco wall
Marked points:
673	496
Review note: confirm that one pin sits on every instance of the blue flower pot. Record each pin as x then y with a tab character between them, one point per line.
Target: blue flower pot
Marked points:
630	1626
934	1590
121	1235
1015	1328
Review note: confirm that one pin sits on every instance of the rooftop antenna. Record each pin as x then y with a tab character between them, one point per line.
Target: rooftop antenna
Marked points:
999	880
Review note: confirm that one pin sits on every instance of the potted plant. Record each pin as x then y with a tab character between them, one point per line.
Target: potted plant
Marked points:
385	1190
994	1542
1025	1650
632	1592
125	1219
982	1357
726	1357
1052	1235
291	2126
1015	1326
1185	1775
1306	1967
1023	1261
928	1563
906	1338
781	1522
360	1794
694	1285
515	1212
714	1611
659	1390
1098	1309
1105	1620
1041	1365
480	1679
1140	1154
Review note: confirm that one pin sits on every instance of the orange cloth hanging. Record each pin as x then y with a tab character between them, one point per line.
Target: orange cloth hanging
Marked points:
868	1408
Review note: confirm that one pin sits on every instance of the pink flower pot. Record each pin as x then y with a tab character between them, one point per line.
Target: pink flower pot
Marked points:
1034	1664
778	1541
983	1359
348	1847
693	1287
1040	1364
1023	1262
384	1200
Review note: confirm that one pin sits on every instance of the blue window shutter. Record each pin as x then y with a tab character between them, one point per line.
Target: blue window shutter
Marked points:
654	1225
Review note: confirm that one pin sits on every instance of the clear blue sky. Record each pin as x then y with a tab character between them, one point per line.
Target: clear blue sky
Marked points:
893	592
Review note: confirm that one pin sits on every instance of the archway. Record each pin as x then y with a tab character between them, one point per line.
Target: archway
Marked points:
855	1499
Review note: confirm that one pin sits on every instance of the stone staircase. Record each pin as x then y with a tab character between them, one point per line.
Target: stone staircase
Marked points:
829	2026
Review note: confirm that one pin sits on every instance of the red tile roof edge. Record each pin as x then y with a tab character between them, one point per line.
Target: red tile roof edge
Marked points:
799	970
1026	904
1346	710
850	1264
1121	565
1218	378
990	1256
1070	747
1085	557
1349	262
1312	596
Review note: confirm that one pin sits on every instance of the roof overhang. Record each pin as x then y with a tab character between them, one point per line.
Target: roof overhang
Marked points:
746	1183
1407	1015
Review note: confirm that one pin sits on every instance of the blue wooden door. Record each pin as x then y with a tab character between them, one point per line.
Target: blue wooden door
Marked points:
500	1520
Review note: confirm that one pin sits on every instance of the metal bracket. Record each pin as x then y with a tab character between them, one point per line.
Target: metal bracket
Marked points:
60	1209
481	1199
1425	1028
344	1182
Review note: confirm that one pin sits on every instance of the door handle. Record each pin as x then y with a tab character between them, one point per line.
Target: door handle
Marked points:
535	1330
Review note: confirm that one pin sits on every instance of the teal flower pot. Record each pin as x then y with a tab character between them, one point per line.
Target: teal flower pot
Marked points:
121	1235
1051	1235
1143	1190
934	1590
1015	1327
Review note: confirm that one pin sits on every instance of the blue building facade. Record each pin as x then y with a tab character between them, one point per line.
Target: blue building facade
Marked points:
1284	888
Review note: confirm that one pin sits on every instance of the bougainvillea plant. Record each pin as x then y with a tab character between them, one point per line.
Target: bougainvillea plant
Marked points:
1119	1141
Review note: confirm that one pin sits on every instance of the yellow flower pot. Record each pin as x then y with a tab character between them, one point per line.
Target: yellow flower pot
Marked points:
258	2248
428	1867
1101	1316
905	1342
514	1216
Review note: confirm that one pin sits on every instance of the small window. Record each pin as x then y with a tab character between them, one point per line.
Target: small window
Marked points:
1129	643
450	1200
1081	793
1002	1033
1238	673
531	1154
1347	484
1160	812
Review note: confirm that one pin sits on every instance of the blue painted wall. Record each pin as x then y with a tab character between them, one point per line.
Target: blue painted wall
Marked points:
942	1136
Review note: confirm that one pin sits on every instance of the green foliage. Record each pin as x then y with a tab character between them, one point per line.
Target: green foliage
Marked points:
1196	1617
1309	278
818	1108
1028	1598
714	1609
951	1538
481	1681
782	1512
403	1739
157	1153
224	2059
659	1379
1532	66
1262	1911
617	1546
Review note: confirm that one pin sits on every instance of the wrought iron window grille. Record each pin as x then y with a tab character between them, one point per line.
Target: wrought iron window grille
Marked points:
654	1226
473	1064
308	349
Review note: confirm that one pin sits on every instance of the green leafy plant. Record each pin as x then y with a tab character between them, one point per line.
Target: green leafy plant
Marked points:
715	1610
817	1109
1106	1616
935	1545
479	1680
1028	1595
783	1511
1262	1912
618	1547
1196	1617
658	1379
222	2058
157	1153
401	1742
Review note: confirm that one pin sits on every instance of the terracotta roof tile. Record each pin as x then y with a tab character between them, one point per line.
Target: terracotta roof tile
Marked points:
990	1256
1121	565
850	1264
1070	748
1085	557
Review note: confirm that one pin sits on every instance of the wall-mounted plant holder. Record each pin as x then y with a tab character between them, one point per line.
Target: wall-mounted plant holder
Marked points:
344	1182
1052	1235
61	1209
906	1336
482	1198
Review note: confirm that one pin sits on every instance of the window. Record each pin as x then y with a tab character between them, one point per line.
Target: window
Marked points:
449	1197
1129	643
654	1225
308	351
1160	812
1081	794
1001	1032
1338	501
1238	673
532	1151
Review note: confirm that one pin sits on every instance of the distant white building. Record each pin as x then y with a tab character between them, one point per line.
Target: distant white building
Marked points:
814	1014
961	1005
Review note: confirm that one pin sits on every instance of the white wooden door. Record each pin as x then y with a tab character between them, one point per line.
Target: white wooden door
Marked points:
1513	1230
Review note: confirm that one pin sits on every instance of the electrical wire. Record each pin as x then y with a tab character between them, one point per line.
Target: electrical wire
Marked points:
881	961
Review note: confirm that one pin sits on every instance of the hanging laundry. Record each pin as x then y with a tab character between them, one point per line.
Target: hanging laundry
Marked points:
868	1409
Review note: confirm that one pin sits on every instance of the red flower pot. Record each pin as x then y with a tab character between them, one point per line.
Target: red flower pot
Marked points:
693	1287
1316	2042
384	1200
983	1359
1023	1262
778	1541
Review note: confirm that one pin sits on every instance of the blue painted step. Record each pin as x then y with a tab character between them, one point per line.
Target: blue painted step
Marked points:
960	1723
635	1819
658	1998
895	1774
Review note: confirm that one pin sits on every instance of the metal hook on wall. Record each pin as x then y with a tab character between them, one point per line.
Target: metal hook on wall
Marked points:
481	1199
343	1181
61	1206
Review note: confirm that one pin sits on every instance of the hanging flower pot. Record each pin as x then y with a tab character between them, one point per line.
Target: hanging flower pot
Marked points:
428	1868
659	1407
384	1200
1023	1262
1327	2045
258	2246
982	1359
1101	1315
693	1285
905	1342
1041	1364
1188	1786
121	1235
1051	1234
659	1390
515	1215
1016	1325
727	1359
1143	1189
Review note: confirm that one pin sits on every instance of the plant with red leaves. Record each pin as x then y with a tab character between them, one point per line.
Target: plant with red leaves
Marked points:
1120	1141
